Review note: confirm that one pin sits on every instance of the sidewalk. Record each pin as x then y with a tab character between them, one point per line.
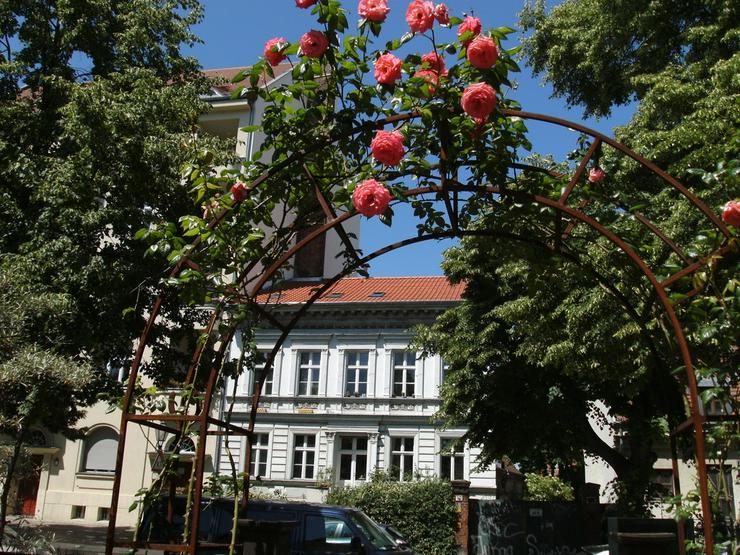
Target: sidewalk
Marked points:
77	538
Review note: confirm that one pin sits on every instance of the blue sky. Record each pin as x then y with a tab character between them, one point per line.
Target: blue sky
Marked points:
234	32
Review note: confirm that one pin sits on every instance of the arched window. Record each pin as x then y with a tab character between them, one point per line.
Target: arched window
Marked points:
101	445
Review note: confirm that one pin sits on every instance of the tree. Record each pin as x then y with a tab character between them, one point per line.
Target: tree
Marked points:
591	330
88	157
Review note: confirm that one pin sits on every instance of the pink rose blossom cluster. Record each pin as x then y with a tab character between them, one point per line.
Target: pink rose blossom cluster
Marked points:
435	62
371	198
239	191
387	69
595	175
273	50
373	10
431	77
468	30
731	213
482	52
420	16
442	14
478	101
314	44
387	147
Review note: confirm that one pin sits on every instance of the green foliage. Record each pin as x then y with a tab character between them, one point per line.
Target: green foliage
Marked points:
423	511
546	488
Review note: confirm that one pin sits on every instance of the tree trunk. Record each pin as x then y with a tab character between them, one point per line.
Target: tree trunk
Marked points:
10	471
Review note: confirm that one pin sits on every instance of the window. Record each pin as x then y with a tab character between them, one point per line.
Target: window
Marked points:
308	373
327	534
404	373
445	372
78	511
258	457
103	513
356	374
451	461
304	456
101	446
259	368
402	458
353	458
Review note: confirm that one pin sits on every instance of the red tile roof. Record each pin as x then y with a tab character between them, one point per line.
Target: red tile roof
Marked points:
228	73
368	290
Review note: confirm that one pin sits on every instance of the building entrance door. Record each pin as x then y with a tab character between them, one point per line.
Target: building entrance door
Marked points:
28	488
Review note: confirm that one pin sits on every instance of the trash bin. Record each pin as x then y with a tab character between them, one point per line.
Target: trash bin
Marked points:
643	536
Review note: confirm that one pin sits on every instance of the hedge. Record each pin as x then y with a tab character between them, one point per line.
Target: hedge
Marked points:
423	511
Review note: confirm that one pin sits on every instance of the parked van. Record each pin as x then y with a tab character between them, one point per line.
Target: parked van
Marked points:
307	528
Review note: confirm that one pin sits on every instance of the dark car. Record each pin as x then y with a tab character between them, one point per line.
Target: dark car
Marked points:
301	528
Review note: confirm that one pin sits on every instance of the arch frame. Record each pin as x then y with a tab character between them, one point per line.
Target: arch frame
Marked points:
560	207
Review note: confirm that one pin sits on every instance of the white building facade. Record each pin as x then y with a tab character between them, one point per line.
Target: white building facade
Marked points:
347	397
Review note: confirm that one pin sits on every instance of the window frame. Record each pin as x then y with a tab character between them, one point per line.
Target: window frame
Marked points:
456	455
257	451
86	446
353	453
405	368
304	449
313	374
356	368
403	454
268	389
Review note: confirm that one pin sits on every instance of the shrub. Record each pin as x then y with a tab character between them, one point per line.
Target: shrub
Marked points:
423	511
546	488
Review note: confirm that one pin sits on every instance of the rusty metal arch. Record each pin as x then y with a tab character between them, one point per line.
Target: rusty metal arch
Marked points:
334	222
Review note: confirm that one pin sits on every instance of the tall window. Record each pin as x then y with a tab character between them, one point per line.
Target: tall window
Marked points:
308	373
259	368
356	374
404	373
258	457
451	460
353	459
304	456
101	446
402	458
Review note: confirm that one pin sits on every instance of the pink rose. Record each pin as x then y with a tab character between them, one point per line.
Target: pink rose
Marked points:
596	174
435	63
373	10
731	213
387	147
304	3
442	14
478	101
482	52
314	44
387	69
420	16
371	198
238	191
470	24
271	53
431	77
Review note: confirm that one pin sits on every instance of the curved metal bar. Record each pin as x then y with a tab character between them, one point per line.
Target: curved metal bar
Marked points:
573	213
288	161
